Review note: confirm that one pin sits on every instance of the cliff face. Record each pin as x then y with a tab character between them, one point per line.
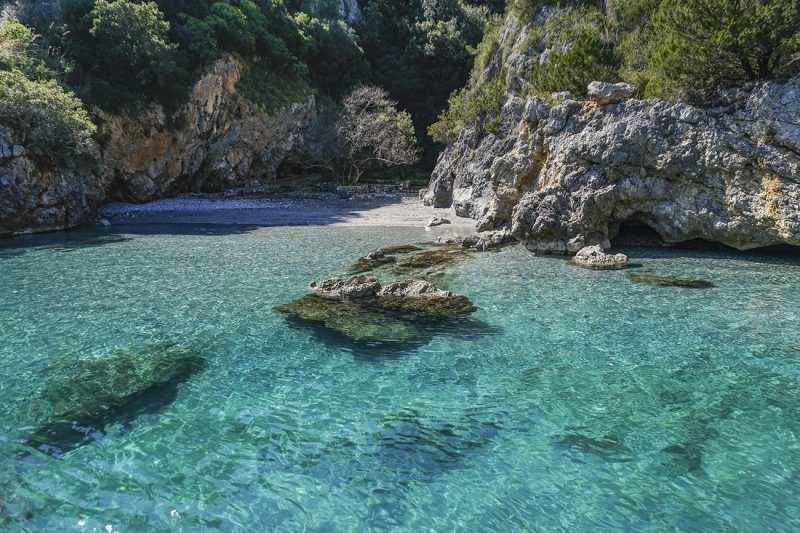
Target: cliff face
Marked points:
216	141
35	197
563	173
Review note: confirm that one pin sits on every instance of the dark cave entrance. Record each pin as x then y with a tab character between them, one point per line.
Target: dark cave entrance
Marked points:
634	231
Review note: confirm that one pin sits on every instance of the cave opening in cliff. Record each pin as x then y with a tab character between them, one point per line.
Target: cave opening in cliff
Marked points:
634	231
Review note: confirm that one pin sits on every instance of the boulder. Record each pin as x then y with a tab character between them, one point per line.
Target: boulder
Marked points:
603	93
402	312
437	221
594	257
430	259
346	289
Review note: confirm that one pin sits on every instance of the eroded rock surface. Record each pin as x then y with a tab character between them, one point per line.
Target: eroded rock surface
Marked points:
36	197
364	311
217	140
567	174
594	257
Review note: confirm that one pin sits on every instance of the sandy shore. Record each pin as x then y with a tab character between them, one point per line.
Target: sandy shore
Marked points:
386	210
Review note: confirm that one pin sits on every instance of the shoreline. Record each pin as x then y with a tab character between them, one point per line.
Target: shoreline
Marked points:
386	210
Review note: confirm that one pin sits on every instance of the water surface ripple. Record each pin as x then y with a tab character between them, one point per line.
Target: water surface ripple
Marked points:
584	402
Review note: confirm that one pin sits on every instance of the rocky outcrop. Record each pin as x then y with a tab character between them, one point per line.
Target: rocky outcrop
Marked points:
35	197
593	257
218	140
363	311
568	174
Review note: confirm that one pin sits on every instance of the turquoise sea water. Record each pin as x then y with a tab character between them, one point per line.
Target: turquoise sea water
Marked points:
575	401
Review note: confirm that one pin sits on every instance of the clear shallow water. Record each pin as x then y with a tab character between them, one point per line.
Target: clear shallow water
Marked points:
584	402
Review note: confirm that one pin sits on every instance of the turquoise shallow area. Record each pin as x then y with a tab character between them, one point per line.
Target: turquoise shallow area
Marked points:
579	401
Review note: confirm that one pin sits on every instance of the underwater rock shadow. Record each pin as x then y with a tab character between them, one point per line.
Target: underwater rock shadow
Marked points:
388	348
83	397
418	449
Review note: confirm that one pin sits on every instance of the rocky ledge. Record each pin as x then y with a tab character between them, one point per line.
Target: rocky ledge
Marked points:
363	310
568	174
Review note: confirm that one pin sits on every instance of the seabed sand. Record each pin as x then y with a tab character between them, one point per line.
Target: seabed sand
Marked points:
385	211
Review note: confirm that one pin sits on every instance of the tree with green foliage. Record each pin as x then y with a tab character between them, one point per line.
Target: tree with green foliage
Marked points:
49	121
700	45
374	134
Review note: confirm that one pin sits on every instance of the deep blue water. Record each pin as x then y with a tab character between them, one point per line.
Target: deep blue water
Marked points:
574	401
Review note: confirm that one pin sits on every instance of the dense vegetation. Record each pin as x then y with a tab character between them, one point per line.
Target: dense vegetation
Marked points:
68	56
121	55
676	49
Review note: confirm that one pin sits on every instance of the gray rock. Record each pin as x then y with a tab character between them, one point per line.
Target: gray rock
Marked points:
603	93
346	289
569	175
436	221
594	257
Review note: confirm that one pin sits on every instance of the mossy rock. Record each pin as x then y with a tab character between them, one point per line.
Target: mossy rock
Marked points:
431	259
82	396
669	281
446	307
358	322
370	262
400	249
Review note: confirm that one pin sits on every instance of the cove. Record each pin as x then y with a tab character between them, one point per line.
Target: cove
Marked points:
579	399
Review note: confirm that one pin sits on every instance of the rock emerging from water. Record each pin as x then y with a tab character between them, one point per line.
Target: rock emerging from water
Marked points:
669	281
364	311
371	261
82	396
430	259
594	257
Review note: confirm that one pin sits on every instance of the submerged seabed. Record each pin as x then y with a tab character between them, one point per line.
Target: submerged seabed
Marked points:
579	402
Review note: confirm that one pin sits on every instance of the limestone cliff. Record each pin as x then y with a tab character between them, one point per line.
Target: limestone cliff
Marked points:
216	141
36	197
564	173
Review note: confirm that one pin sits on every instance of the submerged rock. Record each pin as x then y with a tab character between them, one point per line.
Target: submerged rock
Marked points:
595	258
432	259
363	311
400	249
668	281
371	261
81	397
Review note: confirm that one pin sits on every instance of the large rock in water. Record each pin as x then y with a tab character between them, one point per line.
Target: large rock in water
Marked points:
82	396
567	175
364	311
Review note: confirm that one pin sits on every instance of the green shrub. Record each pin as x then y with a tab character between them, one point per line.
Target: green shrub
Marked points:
476	106
700	45
49	121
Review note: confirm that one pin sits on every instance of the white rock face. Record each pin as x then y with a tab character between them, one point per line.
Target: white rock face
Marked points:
603	93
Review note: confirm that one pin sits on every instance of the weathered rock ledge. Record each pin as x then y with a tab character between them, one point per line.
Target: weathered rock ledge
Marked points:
568	175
